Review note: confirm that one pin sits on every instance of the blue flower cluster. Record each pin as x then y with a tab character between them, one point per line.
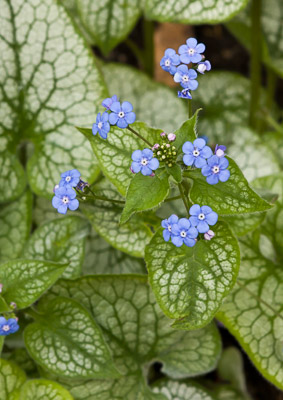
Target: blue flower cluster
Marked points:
176	64
120	114
213	167
185	231
144	162
65	196
8	326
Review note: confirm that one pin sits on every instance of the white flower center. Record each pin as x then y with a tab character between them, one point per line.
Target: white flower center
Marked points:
121	114
215	169
65	200
6	328
195	153
144	161
201	216
185	78
167	63
183	234
169	228
68	178
99	125
191	51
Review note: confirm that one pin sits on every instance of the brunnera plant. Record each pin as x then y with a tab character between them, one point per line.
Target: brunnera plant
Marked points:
177	233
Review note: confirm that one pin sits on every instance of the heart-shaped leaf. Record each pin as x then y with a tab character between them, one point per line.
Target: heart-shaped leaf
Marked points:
181	390
42	389
191	283
11	378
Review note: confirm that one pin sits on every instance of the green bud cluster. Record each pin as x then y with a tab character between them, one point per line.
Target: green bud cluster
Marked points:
165	152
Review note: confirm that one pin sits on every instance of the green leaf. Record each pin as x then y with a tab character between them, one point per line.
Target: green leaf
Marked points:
3	306
138	332
191	283
181	390
232	197
224	97
144	193
21	357
108	22
242	224
49	82
187	132
15	226
175	172
131	238
153	103
192	11
24	281
253	311
61	240
11	379
66	341
272	36
114	154
42	389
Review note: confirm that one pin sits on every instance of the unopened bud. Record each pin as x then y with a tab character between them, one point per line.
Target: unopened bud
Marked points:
163	157
1	287
171	137
13	305
162	134
220	151
167	145
159	153
152	174
209	235
131	169
155	147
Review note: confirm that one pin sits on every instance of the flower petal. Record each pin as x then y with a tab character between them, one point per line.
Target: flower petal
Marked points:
202	227
170	52
74	204
206	170
224	175
94	129
214	160
223	163
191	42
153	164
177	241
206	152
195	210
196	58
115	107
164	223
188	159
199	143
212	179
187	147
130	117
136	167
175	229
205	210
173	219
189	242
145	170
137	155
183	49
184	223
200	162
200	48
56	201
166	235
127	107
192	84
193	220
113	118
211	218
192	74
147	153
185	58
122	123
62	209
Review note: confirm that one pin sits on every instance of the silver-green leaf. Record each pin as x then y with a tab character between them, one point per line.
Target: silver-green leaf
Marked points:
11	379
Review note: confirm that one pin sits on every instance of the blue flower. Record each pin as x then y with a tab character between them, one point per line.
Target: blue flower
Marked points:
191	52
186	77
107	102
167	225
204	66
69	178
196	153
184	232
170	61
65	197
8	326
144	162
121	115
215	170
202	217
82	185
220	150
101	125
185	94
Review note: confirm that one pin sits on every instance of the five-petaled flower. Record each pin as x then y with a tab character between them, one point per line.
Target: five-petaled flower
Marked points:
184	232
170	61
122	115
196	153
167	225
144	162
191	51
202	217
185	94
8	326
216	170
69	178
107	102
101	125
204	66
65	197
186	77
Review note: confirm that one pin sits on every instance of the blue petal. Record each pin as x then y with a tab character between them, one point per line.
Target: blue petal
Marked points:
183	49
173	219
164	223
205	210
175	59
147	153
94	129
113	118
177	77
200	162
214	160
62	209
192	84
187	147
183	69
136	167
172	69
175	229
193	220
195	210
184	223
211	218
103	133
188	159
223	163
153	164
56	201
127	107
170	52
185	58
130	117
70	193
196	58
107	102
122	123
202	227
191	42
177	241
115	107
212	179
224	175
206	152
193	232
145	170
137	155
200	48
199	143
105	116
192	74
166	235
189	242
74	204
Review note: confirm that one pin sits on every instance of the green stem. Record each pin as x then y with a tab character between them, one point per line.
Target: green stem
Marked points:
136	51
148	34
190	110
139	136
96	197
183	198
172	198
272	122
255	68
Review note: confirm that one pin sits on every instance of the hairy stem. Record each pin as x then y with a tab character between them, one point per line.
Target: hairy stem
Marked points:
173	198
139	136
255	67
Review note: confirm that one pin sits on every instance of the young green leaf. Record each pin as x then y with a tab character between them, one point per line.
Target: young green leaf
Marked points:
191	283
61	240
108	22
175	172
4	306
144	193
187	132
11	379
24	281
181	390
42	389
136	329
44	93
154	103
66	341
232	197
15	227
192	12
114	154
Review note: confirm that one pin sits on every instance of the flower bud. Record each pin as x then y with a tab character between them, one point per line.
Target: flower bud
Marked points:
13	305
171	137
209	235
1	287
155	147
162	134
167	145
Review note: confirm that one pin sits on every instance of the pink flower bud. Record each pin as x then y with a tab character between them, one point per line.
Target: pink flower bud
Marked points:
13	305
167	145
162	134
209	235
171	137
155	146
152	174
